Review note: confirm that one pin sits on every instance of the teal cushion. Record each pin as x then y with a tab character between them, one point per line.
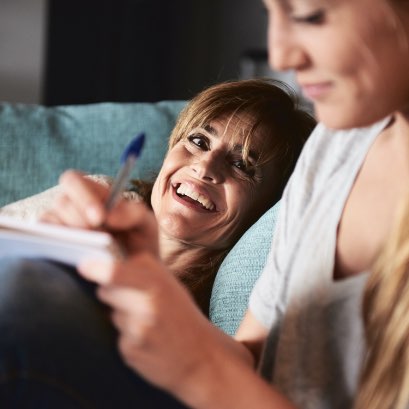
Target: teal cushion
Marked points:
239	272
38	143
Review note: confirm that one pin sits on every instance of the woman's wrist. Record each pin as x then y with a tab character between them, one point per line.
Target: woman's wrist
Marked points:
229	382
212	377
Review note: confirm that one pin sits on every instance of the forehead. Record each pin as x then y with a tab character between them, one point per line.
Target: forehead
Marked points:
239	133
233	127
229	124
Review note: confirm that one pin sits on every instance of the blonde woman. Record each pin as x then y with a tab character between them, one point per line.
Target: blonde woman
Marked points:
327	323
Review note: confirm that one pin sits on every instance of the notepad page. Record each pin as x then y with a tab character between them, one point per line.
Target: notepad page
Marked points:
64	233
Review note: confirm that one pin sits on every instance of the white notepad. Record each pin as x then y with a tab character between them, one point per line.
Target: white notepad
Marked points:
47	241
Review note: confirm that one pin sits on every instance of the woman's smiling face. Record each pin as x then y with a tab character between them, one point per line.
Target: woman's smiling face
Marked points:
351	57
206	193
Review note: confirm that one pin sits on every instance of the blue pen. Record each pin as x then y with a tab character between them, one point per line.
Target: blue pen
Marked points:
128	160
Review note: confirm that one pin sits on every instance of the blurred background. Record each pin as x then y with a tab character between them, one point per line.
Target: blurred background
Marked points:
55	52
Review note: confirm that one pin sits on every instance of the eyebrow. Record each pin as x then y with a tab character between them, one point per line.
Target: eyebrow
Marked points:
253	155
211	130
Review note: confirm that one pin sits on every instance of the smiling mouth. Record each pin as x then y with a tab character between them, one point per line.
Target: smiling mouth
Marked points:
191	196
315	90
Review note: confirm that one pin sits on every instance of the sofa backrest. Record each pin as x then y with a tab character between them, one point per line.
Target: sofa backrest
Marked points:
38	143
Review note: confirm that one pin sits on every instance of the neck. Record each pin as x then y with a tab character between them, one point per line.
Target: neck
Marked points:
179	256
194	266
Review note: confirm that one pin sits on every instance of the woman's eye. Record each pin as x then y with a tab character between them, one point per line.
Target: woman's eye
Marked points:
315	18
243	167
199	140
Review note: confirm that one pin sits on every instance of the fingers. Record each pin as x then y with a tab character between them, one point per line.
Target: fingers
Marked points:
83	200
82	204
50	217
126	214
66	213
139	271
135	226
124	298
79	202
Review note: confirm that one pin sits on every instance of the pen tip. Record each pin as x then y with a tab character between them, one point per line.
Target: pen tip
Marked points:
135	147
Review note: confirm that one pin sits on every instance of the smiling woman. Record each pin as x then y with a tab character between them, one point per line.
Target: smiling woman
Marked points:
230	155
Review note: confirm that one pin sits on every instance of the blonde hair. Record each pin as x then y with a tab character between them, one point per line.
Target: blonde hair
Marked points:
384	382
385	376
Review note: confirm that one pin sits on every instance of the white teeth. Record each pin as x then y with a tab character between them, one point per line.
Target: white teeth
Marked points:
188	191
194	195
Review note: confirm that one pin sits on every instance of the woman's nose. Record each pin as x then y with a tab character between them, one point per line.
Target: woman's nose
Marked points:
284	50
209	167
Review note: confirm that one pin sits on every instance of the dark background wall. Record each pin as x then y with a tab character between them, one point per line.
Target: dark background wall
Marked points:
22	44
146	50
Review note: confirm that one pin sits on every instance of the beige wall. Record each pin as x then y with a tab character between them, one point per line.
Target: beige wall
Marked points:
22	46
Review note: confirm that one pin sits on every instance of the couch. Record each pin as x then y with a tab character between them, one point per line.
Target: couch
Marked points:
38	143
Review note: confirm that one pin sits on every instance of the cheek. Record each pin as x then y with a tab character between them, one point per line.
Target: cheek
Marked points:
335	51
237	197
337	59
243	205
155	197
160	185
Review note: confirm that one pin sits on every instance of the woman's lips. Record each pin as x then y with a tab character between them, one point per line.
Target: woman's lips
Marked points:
315	90
190	202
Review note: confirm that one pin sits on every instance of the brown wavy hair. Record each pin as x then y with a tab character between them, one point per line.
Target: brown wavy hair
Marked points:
263	107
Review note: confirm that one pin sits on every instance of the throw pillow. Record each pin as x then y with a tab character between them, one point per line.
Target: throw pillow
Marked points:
239	272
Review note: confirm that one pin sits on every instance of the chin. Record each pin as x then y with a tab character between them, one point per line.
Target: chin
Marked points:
178	230
339	118
172	227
